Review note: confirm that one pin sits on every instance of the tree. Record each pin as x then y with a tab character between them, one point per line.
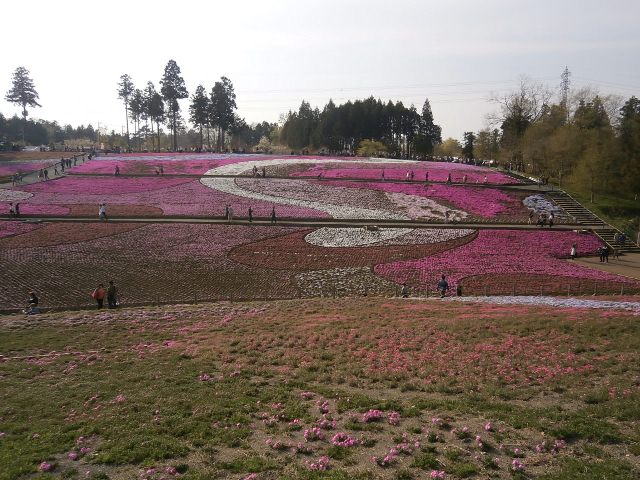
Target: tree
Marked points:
222	108
173	89
629	127
518	110
137	107
429	134
199	110
125	89
23	92
154	108
467	149
371	148
450	147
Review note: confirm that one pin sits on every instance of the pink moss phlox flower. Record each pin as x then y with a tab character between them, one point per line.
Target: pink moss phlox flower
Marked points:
45	467
323	406
517	465
251	476
393	418
322	464
342	439
326	423
307	395
488	427
205	377
119	398
85	450
73	456
372	416
437	421
437	474
277	405
171	470
276	444
387	460
312	434
558	445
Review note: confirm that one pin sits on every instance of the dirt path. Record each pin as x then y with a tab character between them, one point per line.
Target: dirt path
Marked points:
627	265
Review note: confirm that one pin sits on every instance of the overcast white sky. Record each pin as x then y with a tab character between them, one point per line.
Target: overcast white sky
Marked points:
277	53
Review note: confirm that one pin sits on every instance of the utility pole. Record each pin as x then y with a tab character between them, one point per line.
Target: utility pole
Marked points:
564	88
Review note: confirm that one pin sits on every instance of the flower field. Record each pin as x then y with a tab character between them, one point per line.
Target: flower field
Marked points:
358	388
63	261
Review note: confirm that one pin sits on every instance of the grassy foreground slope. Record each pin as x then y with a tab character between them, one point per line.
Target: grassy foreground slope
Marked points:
380	388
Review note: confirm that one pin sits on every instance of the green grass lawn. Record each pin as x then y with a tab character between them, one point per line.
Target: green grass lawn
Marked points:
229	390
621	212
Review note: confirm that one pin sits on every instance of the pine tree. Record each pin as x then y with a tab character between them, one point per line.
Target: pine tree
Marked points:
155	108
199	110
222	108
23	92
173	89
125	89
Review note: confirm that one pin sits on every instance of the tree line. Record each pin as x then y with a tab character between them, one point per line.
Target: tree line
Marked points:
399	130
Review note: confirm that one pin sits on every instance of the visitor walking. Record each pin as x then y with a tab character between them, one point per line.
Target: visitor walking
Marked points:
264	172
255	171
250	215
530	217
464	178
16	210
46	174
426	176
574	251
404	290
226	212
273	214
102	212
551	217
117	172
112	293
382	176
443	286
98	295
230	214
605	254
448	178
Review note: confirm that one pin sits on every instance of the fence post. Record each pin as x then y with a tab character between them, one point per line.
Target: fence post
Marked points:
513	291
485	291
540	290
622	289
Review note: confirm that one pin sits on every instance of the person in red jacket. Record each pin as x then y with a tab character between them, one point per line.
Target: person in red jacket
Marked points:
98	295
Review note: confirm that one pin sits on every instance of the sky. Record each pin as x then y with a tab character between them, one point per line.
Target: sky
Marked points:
457	53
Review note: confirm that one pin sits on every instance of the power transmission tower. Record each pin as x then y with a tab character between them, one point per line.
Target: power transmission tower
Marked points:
564	88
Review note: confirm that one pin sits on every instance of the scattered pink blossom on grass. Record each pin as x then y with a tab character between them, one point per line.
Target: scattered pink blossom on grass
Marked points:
321	464
342	439
372	416
393	418
45	467
437	474
517	465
